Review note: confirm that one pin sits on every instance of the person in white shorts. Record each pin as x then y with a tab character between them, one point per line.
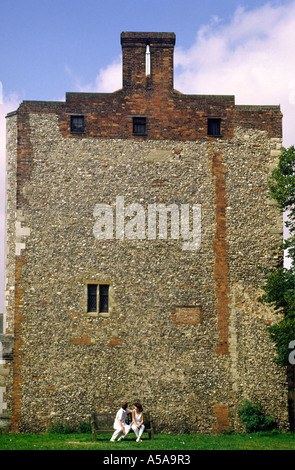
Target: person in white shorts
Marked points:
120	425
137	421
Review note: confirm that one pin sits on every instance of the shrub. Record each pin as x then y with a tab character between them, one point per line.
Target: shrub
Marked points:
254	419
84	427
60	428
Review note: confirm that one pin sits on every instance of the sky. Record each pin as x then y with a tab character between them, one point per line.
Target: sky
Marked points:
244	48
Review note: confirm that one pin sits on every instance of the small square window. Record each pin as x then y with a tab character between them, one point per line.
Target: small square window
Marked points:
98	298
139	125
77	124
214	126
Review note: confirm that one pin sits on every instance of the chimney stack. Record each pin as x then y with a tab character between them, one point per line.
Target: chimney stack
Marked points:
134	51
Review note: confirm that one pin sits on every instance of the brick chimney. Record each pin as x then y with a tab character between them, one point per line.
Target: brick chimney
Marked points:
161	49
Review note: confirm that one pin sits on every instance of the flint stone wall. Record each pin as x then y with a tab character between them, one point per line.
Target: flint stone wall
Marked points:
185	334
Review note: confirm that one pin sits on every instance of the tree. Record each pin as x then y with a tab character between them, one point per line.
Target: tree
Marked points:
280	282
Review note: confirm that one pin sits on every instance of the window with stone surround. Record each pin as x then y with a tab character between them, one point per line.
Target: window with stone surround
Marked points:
98	298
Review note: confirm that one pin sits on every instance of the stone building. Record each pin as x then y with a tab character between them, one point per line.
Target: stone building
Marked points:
136	225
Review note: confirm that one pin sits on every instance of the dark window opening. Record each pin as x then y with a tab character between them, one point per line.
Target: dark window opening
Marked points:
98	298
139	125
214	126
77	123
103	298
92	298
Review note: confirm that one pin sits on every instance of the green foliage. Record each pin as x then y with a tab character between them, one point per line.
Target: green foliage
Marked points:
282	188
280	283
282	334
61	428
282	180
84	427
280	292
254	419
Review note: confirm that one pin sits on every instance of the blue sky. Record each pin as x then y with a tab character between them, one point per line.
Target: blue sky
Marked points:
42	39
49	47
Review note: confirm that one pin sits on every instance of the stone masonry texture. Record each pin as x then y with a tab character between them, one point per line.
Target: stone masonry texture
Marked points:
184	332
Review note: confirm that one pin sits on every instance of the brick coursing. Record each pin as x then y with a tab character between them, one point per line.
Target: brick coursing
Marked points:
170	114
221	272
222	418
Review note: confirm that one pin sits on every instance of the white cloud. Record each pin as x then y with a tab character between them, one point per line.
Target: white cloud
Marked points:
252	57
108	79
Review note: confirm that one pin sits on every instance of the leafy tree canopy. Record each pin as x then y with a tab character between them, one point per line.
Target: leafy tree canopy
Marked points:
280	283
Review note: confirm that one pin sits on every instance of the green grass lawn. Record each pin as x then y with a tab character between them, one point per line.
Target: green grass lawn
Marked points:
179	442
